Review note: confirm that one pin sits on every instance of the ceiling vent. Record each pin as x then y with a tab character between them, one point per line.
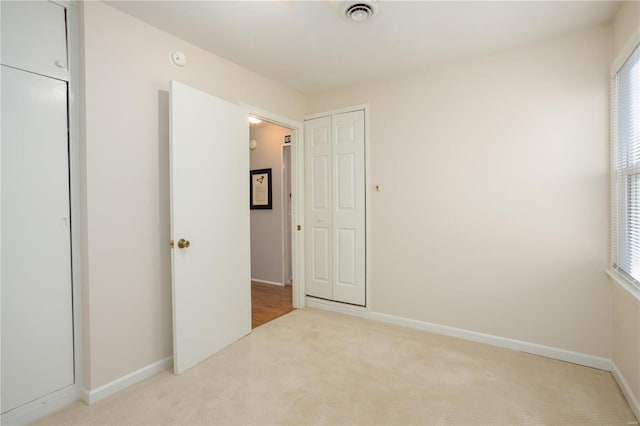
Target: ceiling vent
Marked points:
359	11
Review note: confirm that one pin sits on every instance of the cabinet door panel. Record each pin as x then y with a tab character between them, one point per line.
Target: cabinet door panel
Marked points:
34	37
37	326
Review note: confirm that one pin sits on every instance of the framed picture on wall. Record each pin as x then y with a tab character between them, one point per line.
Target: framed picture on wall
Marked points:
260	190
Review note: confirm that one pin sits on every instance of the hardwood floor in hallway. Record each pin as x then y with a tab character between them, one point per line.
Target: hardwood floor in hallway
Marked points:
269	302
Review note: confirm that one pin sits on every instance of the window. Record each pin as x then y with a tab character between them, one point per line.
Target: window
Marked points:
626	169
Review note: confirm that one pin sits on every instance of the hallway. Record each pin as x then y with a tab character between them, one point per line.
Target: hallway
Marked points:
269	302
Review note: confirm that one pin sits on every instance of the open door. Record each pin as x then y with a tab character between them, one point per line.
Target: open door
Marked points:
211	269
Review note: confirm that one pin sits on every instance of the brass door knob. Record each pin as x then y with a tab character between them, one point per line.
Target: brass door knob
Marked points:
182	243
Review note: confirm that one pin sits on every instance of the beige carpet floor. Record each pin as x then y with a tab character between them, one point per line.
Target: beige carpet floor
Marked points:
322	368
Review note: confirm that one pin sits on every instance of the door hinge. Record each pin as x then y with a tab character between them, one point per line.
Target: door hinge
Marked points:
171	243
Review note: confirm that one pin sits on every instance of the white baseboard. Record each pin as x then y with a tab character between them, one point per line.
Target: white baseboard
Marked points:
626	390
41	407
267	282
91	397
488	339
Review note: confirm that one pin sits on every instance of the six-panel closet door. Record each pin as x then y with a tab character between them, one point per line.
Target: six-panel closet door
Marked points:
335	207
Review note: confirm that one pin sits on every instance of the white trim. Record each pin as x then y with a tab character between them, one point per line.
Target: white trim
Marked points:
286	245
473	336
267	282
368	209
625	52
622	282
75	187
632	400
272	117
104	391
283	220
613	198
297	217
41	407
360	107
339	307
297	189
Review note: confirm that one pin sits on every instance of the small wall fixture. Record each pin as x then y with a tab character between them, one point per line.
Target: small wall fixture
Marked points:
178	58
253	144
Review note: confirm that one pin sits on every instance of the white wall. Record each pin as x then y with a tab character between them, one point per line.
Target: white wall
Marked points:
127	289
266	225
626	307
625	24
493	211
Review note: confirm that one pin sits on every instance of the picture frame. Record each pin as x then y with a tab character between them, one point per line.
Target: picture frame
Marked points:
260	192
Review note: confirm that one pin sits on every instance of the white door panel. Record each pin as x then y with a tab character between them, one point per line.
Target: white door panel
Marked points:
318	239
210	208
37	327
349	212
345	182
34	37
345	131
320	184
321	132
320	271
346	250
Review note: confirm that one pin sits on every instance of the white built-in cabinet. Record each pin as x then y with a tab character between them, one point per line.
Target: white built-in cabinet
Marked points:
34	37
37	308
335	207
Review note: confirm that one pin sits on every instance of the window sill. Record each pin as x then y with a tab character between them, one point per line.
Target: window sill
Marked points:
621	281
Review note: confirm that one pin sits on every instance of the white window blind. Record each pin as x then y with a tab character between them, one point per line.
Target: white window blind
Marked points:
626	182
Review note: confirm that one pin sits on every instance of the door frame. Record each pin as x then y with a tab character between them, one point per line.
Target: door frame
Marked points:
330	304
300	299
297	193
287	260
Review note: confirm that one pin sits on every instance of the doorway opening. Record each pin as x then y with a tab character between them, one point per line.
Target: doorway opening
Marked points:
271	220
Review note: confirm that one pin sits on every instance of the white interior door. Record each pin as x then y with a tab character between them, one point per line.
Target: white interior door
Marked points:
37	324
335	207
211	278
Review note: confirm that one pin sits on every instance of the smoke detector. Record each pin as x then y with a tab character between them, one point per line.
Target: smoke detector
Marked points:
359	10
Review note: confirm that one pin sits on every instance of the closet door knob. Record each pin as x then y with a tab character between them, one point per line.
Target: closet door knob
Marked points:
182	243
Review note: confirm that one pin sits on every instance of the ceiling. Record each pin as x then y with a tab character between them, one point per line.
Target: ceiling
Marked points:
309	46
